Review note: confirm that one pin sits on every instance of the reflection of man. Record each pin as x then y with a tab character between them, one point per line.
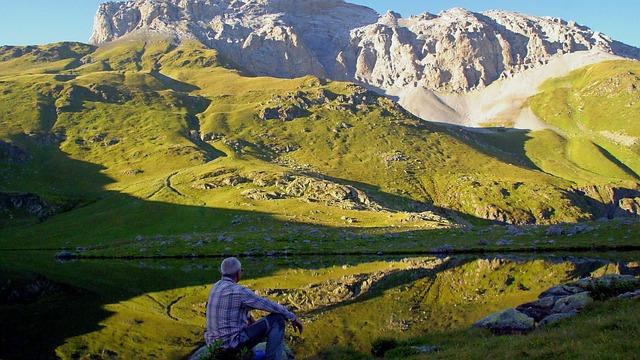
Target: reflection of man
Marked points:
228	320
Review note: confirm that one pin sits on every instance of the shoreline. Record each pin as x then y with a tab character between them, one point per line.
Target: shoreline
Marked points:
276	254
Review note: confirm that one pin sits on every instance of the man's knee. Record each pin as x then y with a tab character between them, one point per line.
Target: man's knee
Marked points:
278	320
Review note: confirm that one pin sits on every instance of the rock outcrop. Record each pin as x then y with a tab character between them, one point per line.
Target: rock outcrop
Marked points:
454	51
610	202
561	302
27	291
12	153
267	37
509	321
29	204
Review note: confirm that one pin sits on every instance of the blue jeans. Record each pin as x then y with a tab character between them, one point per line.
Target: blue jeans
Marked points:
271	329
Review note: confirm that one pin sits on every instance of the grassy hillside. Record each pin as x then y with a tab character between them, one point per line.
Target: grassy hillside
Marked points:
596	110
146	147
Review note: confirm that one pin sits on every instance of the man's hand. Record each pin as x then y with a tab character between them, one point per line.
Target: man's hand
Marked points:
297	325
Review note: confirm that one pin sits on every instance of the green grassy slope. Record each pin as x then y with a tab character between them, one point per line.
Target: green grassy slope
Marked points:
596	110
150	139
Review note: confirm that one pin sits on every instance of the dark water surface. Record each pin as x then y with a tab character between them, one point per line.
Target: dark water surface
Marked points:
107	309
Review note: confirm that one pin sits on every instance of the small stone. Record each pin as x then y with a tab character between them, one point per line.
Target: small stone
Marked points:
504	242
515	230
554	230
425	349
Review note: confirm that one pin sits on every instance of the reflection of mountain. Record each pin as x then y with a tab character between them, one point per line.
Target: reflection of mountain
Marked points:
122	304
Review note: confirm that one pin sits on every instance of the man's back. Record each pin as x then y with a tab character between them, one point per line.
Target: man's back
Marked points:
228	311
226	314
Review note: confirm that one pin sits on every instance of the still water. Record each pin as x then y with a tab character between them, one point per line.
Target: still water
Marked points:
107	309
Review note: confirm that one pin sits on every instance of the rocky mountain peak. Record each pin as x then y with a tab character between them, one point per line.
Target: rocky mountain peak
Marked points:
455	51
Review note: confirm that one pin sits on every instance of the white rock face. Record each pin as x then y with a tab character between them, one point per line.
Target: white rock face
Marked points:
460	50
454	51
501	103
284	38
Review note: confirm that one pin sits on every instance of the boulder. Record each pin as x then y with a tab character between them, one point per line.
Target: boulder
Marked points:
615	280
213	352
540	308
630	206
515	230
554	230
554	318
291	112
132	172
630	295
329	193
256	194
608	286
579	229
504	242
269	113
572	303
561	290
507	322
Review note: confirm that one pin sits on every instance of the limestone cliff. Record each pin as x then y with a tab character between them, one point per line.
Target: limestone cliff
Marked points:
454	51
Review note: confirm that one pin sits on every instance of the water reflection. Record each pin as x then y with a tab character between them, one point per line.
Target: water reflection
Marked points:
154	308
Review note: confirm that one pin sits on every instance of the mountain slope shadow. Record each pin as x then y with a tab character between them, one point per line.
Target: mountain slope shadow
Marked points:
80	293
506	145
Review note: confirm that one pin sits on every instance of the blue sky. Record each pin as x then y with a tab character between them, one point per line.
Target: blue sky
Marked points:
24	22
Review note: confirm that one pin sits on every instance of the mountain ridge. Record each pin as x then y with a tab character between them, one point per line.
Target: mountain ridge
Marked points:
454	51
149	125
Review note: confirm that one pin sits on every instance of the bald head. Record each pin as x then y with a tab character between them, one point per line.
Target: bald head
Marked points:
230	267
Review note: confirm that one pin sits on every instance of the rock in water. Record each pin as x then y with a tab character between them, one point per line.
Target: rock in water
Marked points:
65	255
454	51
507	322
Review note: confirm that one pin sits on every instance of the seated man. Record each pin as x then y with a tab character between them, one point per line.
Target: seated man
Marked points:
228	320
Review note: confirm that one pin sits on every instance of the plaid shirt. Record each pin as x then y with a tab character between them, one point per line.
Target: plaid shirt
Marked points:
228	311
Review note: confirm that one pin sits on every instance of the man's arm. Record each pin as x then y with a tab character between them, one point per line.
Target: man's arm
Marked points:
251	300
